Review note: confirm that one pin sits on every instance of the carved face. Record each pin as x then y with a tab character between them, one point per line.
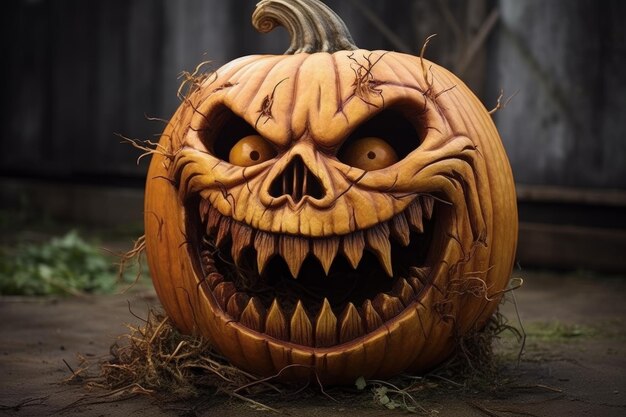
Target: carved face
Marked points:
345	213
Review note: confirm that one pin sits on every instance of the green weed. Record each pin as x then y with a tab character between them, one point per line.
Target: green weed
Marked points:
63	265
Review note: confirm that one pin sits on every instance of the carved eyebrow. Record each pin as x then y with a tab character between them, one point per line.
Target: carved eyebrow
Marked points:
221	128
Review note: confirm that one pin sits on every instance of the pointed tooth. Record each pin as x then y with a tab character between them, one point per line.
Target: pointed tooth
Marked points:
265	245
414	216
399	228
416	284
353	245
325	326
422	274
293	250
403	290
350	324
204	210
214	219
275	323
242	238
236	304
213	279
372	318
325	250
428	203
222	293
378	242
253	316
387	306
300	327
223	230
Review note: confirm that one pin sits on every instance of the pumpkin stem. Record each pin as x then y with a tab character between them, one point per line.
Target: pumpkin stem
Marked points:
312	26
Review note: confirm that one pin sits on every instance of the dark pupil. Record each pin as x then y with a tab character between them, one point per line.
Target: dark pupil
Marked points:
371	155
254	155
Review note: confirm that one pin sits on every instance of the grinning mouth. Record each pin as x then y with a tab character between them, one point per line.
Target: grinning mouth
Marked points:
314	292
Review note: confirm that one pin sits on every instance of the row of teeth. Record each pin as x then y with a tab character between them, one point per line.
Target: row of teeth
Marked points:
324	329
294	249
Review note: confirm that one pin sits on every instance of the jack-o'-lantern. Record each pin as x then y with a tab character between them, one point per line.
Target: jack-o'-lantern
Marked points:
332	211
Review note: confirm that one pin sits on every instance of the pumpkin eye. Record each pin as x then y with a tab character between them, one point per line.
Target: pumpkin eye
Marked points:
403	132
369	154
251	150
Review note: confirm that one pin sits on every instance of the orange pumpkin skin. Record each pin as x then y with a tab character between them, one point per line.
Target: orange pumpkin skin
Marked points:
306	106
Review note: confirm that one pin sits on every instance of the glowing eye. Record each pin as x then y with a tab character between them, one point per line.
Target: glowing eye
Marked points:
251	150
369	154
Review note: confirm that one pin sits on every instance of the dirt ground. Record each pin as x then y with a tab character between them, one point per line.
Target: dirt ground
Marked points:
574	361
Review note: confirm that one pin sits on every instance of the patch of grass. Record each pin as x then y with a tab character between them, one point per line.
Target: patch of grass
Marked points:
558	331
61	266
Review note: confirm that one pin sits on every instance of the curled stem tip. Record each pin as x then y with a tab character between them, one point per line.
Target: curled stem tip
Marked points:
312	26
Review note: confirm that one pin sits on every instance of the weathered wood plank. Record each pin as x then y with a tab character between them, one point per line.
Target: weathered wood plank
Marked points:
571	247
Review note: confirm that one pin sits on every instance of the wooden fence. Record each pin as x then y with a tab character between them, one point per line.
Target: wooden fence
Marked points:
75	72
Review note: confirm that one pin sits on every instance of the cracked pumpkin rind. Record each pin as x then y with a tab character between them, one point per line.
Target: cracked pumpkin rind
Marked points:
315	105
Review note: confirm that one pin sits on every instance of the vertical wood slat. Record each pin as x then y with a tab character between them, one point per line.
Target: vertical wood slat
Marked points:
565	127
112	79
72	83
25	83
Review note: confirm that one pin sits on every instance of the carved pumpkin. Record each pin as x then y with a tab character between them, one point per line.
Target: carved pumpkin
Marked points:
333	210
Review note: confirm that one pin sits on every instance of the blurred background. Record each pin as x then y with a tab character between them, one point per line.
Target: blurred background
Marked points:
76	72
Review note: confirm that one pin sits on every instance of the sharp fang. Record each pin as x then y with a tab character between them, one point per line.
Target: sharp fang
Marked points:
300	327
428	203
403	290
372	318
378	242
265	245
293	250
414	216
387	306
214	219
222	292
400	229
416	284
351	325
419	278
420	273
223	231
253	315
213	279
204	210
237	304
325	326
353	245
325	250
242	238
275	323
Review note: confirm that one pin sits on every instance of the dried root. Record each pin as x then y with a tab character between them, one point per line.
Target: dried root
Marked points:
193	80
500	104
474	363
425	71
154	359
134	255
365	85
149	148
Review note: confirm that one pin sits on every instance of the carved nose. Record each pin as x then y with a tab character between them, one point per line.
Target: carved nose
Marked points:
297	181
